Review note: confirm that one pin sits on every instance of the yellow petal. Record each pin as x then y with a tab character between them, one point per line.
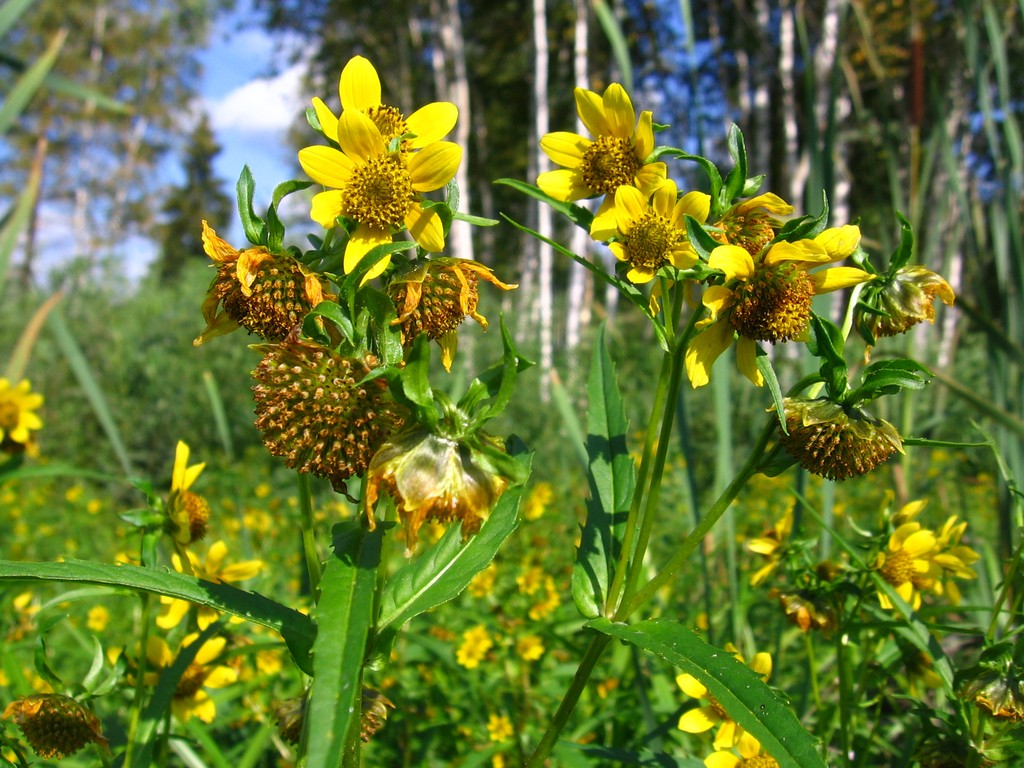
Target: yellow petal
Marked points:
618	251
769	201
619	112
172	613
247	267
434	166
604	226
717	298
727	735
650	177
564	185
640	275
590	108
919	542
364	239
158	653
704	350
803	251
359	137
327	207
426	228
722	760
762	664
240	571
630	205
697	720
181	451
328	120
200	706
683	256
691	686
449	343
664	199
827	280
734	261
643	144
565	148
746	359
432	122
220	677
216	248
359	86
696	204
215	556
326	165
840	242
748	745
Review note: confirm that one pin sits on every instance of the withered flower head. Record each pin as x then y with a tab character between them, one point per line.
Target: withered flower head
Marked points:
997	684
751	224
907	298
267	294
374	712
435	296
834	441
56	726
433	477
289	716
317	409
806	610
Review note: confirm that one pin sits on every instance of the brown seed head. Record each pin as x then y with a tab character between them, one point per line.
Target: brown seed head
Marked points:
56	726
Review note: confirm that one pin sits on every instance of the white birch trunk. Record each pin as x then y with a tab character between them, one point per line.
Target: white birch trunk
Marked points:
460	239
544	218
577	310
795	175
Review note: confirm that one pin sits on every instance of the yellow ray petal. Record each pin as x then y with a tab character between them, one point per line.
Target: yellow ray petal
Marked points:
835	278
722	760
697	720
359	137
746	359
565	148
590	108
434	166
220	677
919	542
643	144
640	275
563	185
704	350
691	686
734	261
432	122
664	199
360	243
840	242
727	736
769	201
630	205
717	298
359	86
326	165
426	227
216	248
604	226
696	204
327	207
328	120
650	177
619	112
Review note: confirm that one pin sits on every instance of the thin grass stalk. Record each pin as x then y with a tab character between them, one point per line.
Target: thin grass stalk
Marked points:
314	568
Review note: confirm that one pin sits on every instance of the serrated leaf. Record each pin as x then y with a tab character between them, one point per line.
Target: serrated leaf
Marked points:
252	224
297	630
445	569
611	476
344	613
739	690
577	214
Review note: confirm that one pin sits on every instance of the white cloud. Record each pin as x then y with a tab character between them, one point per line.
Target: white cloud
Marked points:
263	105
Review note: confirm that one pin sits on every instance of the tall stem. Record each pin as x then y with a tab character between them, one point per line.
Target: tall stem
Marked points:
682	555
597	645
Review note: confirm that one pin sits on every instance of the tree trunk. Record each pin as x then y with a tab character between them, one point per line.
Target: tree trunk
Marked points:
577	310
544	218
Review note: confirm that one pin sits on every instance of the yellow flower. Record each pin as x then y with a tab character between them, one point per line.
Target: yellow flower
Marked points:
711	714
97	618
953	559
499	728
189	513
190	697
18	418
907	563
267	294
767	298
376	178
483	583
211	569
650	233
548	604
771	546
530	647
476	642
435	296
751	756
537	503
615	157
530	579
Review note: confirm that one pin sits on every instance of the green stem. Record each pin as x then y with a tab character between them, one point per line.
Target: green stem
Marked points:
690	543
135	716
597	645
812	670
313	565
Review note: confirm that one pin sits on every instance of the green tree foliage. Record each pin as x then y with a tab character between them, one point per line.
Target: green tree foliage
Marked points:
200	197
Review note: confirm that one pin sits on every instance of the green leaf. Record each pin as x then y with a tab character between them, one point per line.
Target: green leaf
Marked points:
764	365
740	690
499	388
445	569
805	226
353	281
297	630
699	238
905	250
333	312
343	615
11	11
387	338
736	180
577	214
16	220
251	223
285	188
477	221
888	377
611	476
714	175
414	378
25	88
274	230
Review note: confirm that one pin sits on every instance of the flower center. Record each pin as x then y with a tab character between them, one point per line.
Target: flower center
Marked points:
608	164
898	568
759	761
197	511
774	305
380	193
752	230
649	242
389	122
9	415
191	681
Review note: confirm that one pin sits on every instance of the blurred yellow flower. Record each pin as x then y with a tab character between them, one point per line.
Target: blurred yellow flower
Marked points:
701	719
530	647
483	583
548	604
97	618
190	697
538	501
18	417
771	547
907	564
751	756
476	642
499	728
530	580
189	512
173	611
